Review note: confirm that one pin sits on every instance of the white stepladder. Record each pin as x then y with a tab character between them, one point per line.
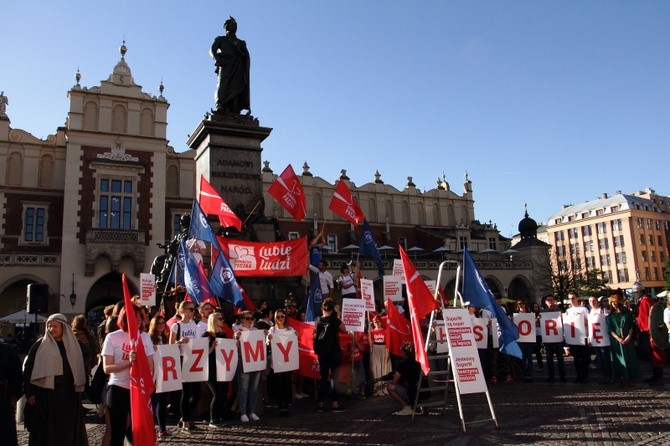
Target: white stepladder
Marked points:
453	327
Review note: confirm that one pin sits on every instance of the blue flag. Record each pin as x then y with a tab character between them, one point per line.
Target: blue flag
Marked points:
368	247
195	281
177	272
200	228
314	297
223	282
478	293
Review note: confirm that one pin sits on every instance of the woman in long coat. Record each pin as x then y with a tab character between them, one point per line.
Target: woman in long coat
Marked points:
54	379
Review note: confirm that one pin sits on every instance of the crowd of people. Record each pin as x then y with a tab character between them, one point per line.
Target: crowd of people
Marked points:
66	365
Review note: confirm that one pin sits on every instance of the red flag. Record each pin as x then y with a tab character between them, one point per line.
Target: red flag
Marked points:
141	381
212	203
344	205
309	362
421	303
247	300
287	190
398	330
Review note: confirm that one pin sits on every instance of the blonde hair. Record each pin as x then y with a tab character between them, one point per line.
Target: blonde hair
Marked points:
211	322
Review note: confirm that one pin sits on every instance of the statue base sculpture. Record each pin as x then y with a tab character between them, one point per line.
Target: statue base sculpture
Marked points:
228	154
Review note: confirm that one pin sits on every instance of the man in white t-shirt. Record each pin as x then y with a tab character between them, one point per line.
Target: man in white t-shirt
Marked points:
580	348
325	278
603	353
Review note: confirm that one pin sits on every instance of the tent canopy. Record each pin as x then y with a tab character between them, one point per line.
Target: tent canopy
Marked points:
21	317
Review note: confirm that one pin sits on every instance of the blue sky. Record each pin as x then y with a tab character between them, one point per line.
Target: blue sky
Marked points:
541	102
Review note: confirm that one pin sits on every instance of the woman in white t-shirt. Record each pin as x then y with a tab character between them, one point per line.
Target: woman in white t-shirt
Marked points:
247	383
180	333
117	357
281	381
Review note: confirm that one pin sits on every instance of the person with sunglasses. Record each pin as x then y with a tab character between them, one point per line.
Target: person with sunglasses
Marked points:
280	382
180	333
247	382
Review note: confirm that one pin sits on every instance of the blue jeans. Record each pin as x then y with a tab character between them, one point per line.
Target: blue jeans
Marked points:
247	390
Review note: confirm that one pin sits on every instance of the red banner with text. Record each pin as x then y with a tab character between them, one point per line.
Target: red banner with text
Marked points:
266	258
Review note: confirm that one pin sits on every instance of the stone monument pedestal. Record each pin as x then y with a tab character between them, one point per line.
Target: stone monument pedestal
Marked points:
228	154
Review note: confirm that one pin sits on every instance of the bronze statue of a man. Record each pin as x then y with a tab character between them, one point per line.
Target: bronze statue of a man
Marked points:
232	61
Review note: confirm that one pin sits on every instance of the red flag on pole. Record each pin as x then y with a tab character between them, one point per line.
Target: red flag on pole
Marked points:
287	190
344	205
212	203
398	329
141	381
421	303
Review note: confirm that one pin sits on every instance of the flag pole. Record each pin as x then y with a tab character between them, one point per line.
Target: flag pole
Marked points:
250	213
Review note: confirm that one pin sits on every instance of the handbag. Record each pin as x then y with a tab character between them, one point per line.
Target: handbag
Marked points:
98	383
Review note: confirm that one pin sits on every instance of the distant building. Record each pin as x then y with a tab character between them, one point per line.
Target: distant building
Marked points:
95	199
623	235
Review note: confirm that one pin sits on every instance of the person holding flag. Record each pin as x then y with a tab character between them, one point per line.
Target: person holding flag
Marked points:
120	353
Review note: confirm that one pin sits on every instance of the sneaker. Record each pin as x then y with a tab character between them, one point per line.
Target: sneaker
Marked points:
164	434
405	411
337	409
494	380
509	379
319	408
254	417
244	419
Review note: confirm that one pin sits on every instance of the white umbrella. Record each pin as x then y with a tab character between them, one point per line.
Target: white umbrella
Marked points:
348	248
662	294
510	251
386	248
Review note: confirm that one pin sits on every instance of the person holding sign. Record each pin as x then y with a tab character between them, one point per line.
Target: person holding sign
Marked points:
247	382
219	389
346	282
281	382
620	325
576	323
159	401
181	333
553	348
600	341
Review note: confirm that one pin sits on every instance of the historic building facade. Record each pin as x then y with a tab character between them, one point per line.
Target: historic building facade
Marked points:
626	236
95	199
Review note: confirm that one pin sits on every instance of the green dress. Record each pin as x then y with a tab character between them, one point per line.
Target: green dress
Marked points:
624	359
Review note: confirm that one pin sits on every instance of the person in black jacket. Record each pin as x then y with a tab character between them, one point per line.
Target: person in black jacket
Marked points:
11	389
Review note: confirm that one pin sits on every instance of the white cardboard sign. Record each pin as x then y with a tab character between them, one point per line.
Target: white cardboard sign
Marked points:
463	350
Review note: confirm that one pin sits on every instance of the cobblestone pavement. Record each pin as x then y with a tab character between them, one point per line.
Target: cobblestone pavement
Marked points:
527	413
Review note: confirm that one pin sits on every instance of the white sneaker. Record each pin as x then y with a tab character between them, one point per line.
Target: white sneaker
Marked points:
244	419
297	396
254	417
404	411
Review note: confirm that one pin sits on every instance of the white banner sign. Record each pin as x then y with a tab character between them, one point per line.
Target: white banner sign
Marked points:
552	326
493	330
480	331
148	289
226	359
368	294
442	346
398	270
167	368
525	322
353	314
252	349
463	351
574	329
195	367
284	346
598	336
392	288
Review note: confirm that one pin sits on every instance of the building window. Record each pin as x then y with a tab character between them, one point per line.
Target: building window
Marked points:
600	211
605	260
462	243
574	248
34	224
655	270
644	255
331	242
588	246
591	262
601	228
617	225
653	256
618	241
573	233
559	236
621	258
642	239
660	240
662	256
649	223
651	240
640	222
586	230
604	243
116	199
493	243
614	209
606	276
622	275
293	235
646	273
658	225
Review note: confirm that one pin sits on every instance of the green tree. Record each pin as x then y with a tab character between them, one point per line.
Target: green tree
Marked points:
666	274
592	283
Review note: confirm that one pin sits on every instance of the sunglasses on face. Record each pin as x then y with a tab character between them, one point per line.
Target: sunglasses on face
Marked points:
280	317
189	309
249	318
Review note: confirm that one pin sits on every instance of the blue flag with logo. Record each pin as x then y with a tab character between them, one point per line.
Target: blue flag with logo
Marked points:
223	282
368	247
314	297
478	293
195	281
200	228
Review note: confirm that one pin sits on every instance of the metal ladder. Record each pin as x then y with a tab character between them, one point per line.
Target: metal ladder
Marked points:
439	379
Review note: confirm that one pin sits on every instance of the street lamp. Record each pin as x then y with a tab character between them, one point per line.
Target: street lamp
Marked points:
73	296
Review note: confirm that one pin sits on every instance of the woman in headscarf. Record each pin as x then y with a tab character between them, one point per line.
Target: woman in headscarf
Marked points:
54	378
